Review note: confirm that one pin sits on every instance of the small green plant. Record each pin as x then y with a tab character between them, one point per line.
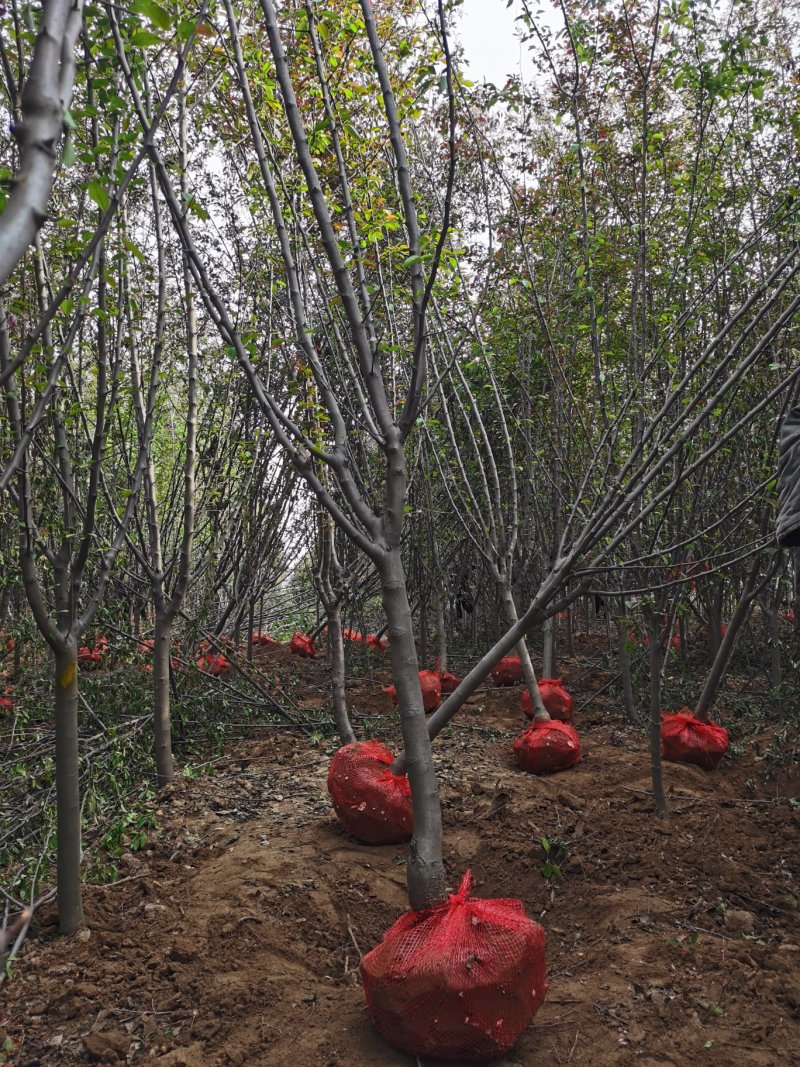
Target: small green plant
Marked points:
555	852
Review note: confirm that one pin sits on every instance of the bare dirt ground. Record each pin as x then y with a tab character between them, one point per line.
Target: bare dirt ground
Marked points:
235	938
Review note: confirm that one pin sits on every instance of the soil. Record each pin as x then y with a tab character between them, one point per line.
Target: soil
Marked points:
234	939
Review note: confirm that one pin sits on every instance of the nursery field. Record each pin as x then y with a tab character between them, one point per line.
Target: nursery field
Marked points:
234	937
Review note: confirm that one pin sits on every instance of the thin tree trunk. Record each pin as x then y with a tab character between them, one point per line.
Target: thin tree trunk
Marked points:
68	803
548	648
161	701
540	712
425	869
441	630
653	630
336	650
624	656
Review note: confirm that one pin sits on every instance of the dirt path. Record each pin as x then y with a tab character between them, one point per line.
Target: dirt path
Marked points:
236	938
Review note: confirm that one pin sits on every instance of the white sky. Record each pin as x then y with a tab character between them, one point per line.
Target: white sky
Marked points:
492	49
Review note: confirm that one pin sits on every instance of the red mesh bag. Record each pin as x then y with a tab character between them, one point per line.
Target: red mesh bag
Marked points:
555	698
460	981
450	682
431	685
302	646
545	747
686	739
378	643
260	638
370	801
212	663
508	671
7	699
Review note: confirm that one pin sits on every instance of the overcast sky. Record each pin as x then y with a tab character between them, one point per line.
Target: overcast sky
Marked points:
491	47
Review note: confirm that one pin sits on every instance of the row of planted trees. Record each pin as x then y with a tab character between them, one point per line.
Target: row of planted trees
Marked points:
304	296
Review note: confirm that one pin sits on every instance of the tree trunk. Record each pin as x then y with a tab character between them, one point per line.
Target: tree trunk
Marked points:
540	712
425	869
624	656
336	650
161	709
653	630
548	648
441	631
68	803
721	660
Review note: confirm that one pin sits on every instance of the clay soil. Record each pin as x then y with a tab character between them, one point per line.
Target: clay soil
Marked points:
234	938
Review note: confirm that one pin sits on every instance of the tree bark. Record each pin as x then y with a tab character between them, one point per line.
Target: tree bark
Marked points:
425	869
336	650
161	701
68	804
540	712
654	631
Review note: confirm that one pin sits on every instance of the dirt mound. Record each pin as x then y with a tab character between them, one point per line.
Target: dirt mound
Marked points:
236	938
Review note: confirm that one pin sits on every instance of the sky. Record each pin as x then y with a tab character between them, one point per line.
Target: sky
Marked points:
491	48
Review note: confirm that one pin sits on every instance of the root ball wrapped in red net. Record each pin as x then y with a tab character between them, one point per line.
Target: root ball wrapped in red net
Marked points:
508	671
212	663
460	981
545	747
431	685
685	739
450	682
373	804
555	698
302	646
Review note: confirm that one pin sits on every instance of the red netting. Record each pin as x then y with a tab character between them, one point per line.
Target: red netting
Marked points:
212	663
302	646
7	699
555	698
431	685
545	747
370	801
508	671
457	982
449	682
378	643
90	657
686	739
261	638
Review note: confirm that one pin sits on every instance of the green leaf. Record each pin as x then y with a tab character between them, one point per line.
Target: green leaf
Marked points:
411	261
97	192
145	39
153	11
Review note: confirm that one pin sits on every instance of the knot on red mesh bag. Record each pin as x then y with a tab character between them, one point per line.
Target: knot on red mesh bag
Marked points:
686	739
302	646
460	981
370	801
508	671
545	747
431	685
555	698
